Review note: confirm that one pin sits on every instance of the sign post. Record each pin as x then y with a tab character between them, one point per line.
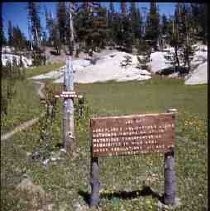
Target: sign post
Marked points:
68	107
94	182
133	135
68	96
170	178
169	174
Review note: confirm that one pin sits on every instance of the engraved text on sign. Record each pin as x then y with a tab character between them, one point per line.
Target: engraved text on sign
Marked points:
134	134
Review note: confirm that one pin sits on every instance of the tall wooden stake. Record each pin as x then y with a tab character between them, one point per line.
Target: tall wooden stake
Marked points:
94	182
68	106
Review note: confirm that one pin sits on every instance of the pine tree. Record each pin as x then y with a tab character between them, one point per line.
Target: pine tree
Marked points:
101	26
136	24
123	6
164	31
111	32
91	26
56	39
82	22
50	24
53	32
204	22
18	39
164	25
35	24
182	36
111	11
3	38
126	35
62	19
98	28
10	40
199	19
35	33
188	39
44	38
135	20
117	29
153	28
116	26
175	40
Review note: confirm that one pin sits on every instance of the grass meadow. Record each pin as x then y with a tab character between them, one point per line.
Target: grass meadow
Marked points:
64	183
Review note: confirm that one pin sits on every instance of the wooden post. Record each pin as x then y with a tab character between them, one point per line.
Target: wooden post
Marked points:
68	105
71	28
169	174
94	182
170	178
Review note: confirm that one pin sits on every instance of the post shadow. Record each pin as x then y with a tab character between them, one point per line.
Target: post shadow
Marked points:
124	195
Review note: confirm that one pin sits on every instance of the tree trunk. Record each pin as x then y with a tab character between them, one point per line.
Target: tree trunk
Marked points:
176	55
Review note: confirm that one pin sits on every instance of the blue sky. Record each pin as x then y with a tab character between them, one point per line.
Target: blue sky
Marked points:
17	12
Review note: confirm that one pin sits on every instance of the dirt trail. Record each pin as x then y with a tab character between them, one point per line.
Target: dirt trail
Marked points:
29	123
39	90
19	128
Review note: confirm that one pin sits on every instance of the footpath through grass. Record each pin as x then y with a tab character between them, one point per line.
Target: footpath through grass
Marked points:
43	69
23	106
25	103
65	183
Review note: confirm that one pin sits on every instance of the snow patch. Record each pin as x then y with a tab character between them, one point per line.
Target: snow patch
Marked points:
102	68
7	49
6	57
105	67
158	61
199	75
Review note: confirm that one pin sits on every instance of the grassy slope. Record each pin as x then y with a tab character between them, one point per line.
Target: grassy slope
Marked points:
25	105
68	183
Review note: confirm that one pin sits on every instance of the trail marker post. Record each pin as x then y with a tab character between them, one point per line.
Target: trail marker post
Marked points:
68	96
133	135
68	107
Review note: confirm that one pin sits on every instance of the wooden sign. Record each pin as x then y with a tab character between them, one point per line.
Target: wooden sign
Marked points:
134	134
69	94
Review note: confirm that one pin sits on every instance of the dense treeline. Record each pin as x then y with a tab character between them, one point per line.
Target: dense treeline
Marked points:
89	26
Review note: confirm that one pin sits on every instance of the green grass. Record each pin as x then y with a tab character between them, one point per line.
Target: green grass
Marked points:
23	106
147	96
66	183
43	69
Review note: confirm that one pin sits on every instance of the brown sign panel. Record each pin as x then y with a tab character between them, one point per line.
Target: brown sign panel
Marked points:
134	134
